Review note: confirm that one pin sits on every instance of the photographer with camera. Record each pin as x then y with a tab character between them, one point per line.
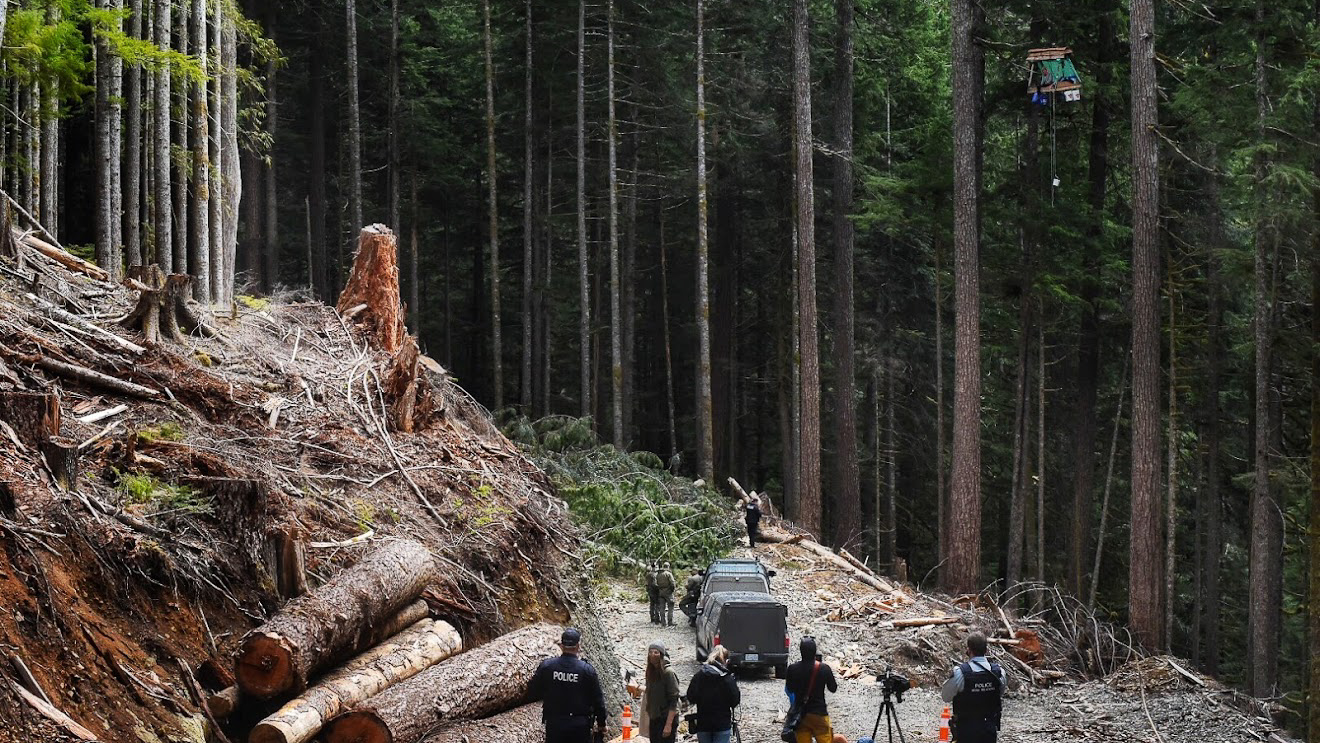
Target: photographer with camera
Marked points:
806	682
976	690
715	692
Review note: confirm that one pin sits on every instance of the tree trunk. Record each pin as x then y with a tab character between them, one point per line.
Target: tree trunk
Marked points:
1104	501
964	551
616	313
1265	582
1145	566
809	504
200	204
414	278
321	271
180	98
1040	450
705	407
162	195
1017	491
477	683
338	619
354	120
1210	516
270	263
133	131
845	496
584	262
529	267
233	176
496	331
50	146
670	420
395	164
1171	501
1313	523
628	271
518	725
215	216
942	509
890	554
107	254
399	658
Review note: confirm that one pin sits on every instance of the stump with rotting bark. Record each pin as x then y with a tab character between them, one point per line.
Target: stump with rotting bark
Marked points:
371	297
162	310
333	622
34	416
62	457
486	680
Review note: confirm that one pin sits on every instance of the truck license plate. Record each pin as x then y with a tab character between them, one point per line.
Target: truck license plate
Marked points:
751	657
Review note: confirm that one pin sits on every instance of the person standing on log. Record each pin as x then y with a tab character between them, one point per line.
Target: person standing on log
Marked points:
715	692
570	694
665	586
976	690
753	519
652	591
661	694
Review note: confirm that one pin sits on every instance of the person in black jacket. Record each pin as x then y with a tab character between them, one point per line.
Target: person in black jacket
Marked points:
806	682
715	692
570	693
753	519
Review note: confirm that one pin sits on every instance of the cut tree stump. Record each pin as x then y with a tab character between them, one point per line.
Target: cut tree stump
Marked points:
62	458
489	679
335	621
520	725
34	416
374	282
401	657
371	300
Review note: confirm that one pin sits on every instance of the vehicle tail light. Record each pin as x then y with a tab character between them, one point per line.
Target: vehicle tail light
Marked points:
717	641
786	646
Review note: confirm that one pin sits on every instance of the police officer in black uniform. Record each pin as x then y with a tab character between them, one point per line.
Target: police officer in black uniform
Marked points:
570	694
976	690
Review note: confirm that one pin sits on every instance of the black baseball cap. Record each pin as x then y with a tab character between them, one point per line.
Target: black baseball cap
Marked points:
570	638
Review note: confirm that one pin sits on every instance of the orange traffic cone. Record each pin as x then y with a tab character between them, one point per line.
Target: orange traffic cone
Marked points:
627	722
944	724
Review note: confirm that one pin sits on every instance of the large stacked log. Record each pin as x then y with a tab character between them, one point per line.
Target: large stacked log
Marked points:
333	622
479	682
401	657
371	297
520	725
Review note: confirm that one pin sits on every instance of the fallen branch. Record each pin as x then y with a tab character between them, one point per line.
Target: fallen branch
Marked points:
1186	673
26	677
359	539
52	713
94	378
222	704
68	317
63	257
101	415
918	622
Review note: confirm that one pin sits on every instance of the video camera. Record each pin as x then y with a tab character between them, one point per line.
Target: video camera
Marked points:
894	683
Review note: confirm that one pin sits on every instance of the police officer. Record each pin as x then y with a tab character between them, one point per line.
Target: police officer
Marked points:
653	592
570	694
976	690
665	585
753	520
691	597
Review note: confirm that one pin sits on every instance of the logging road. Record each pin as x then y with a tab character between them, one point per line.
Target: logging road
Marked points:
1065	711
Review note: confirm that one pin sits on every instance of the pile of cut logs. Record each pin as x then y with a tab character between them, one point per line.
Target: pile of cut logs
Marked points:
402	677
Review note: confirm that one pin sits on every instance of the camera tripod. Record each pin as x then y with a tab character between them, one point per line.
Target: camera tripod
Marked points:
890	716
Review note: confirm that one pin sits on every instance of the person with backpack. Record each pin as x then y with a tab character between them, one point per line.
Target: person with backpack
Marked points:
653	592
805	683
715	692
976	691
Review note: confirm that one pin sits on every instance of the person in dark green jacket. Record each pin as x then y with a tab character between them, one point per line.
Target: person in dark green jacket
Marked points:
661	695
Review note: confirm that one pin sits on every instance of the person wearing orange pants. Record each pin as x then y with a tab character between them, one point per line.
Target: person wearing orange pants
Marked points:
808	679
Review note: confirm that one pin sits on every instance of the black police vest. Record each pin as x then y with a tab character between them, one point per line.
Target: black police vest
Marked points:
568	688
979	700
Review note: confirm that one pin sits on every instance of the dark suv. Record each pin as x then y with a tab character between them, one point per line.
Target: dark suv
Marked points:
753	626
735	574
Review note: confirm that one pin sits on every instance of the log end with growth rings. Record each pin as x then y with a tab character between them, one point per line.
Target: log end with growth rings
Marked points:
361	726
265	666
